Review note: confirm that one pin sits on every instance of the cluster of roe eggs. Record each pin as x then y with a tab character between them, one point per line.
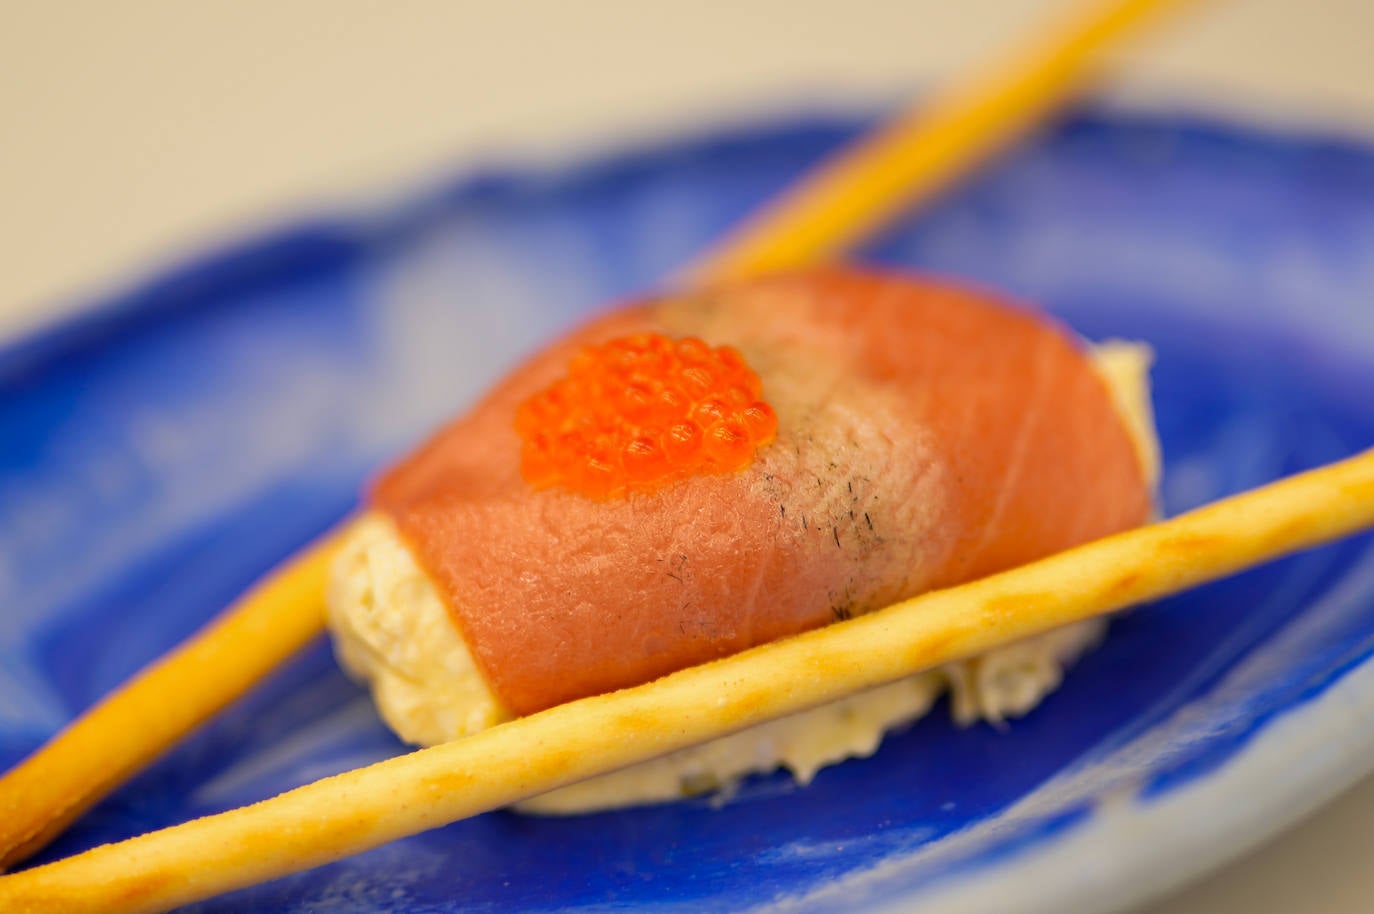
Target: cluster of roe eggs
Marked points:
641	411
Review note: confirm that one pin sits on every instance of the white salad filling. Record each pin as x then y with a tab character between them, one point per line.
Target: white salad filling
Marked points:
392	630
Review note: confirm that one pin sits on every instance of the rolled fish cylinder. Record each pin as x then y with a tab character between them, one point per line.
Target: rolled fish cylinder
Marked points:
917	433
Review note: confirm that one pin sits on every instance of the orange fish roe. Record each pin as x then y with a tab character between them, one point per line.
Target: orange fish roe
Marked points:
641	411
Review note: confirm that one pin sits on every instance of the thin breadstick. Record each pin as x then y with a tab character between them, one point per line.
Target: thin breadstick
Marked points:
132	726
923	152
828	210
352	812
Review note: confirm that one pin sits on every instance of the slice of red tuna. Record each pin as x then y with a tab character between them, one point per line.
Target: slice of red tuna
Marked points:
928	434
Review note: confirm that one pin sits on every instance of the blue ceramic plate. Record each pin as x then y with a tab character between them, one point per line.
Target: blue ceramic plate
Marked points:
165	448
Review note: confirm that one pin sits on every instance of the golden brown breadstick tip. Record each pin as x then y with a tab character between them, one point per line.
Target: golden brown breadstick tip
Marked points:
352	812
134	725
932	146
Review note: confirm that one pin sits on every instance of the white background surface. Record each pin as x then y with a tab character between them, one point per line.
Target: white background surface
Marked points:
135	133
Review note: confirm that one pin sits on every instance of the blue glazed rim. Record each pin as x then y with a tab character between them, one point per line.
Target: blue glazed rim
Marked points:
1202	817
330	234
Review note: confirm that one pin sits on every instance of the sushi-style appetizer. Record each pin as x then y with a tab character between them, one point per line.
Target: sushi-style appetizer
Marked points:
628	556
707	471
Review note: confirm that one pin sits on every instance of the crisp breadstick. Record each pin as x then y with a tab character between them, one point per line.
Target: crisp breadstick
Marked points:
134	725
828	209
358	810
855	193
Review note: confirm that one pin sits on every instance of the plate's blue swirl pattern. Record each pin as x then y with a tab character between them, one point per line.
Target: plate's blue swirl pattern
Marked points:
162	451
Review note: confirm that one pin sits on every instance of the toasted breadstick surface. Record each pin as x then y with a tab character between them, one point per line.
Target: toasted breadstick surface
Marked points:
136	724
925	151
358	810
